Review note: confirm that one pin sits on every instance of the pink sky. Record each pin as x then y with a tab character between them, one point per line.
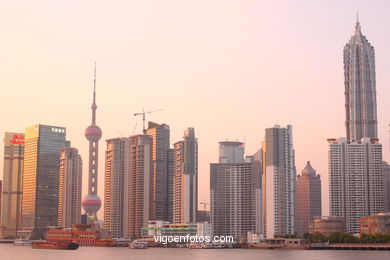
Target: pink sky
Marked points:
228	68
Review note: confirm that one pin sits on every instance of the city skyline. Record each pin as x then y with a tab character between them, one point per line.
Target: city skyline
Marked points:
211	122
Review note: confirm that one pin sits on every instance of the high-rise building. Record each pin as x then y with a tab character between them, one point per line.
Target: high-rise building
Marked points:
355	180
11	207
170	184
360	87
92	203
116	186
386	187
1	195
140	184
70	185
160	169
185	183
235	189
278	183
231	152
308	199
41	168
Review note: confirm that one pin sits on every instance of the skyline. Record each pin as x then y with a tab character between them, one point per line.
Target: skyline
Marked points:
248	75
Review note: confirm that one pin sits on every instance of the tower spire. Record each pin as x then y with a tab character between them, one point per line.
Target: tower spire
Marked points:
94	107
357	26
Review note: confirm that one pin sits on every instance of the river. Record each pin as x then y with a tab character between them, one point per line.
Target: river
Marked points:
10	252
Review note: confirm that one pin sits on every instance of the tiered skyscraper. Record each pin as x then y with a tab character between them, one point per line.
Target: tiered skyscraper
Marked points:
12	184
41	169
70	185
91	203
185	180
279	176
308	199
355	162
360	87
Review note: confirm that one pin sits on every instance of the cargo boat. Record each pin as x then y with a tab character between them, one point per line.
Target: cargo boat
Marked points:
59	245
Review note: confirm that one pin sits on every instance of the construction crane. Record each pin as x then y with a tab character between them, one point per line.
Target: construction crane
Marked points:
143	113
204	203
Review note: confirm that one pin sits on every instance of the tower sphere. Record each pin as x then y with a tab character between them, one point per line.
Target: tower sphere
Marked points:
91	203
93	133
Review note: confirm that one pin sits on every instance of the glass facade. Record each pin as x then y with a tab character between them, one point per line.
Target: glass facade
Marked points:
41	177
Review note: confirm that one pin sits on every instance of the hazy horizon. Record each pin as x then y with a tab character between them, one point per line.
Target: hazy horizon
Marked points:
229	69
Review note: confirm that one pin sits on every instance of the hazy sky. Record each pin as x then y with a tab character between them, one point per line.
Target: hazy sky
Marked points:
228	68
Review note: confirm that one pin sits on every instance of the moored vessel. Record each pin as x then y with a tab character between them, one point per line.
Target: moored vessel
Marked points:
22	242
59	245
138	245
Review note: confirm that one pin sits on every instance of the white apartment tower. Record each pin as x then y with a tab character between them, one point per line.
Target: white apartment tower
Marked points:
115	186
70	185
278	182
355	180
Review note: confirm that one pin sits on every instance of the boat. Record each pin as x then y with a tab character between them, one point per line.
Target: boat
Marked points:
22	242
138	245
58	245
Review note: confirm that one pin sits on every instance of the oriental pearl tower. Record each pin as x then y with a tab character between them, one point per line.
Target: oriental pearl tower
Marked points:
91	203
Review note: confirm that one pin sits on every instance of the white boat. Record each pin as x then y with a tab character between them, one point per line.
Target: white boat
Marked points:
138	245
22	242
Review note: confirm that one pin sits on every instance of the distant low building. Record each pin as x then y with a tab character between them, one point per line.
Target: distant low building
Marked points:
375	224
164	228
328	225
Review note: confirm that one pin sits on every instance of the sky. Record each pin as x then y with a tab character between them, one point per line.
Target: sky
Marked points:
228	68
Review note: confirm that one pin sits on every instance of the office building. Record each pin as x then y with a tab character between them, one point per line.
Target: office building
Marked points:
11	205
308	199
185	183
235	189
41	167
160	170
278	184
70	185
355	180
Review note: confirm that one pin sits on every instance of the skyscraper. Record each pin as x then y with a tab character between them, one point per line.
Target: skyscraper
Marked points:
70	185
360	87
355	180
12	184
185	183
116	186
140	184
278	182
160	168
91	203
41	168
308	199
386	187
235	189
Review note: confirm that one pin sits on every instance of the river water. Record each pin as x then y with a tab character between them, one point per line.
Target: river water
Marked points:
10	252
